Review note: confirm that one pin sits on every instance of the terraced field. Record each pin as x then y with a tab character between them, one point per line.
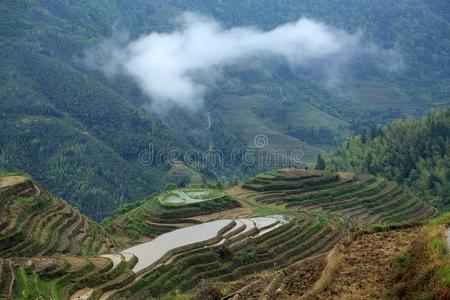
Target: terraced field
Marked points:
34	223
255	240
358	268
359	198
243	249
60	277
188	196
238	110
154	217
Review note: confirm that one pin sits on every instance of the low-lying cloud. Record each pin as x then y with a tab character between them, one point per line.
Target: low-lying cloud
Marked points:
171	67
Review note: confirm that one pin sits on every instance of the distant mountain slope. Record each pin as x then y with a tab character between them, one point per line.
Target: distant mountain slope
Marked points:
34	223
418	29
77	136
414	152
80	134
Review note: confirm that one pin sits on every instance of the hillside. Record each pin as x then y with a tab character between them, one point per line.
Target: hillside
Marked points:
74	133
154	217
364	265
35	223
80	133
349	203
411	152
251	240
373	265
224	150
360	199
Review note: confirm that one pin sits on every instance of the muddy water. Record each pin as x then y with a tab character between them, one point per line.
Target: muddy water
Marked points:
150	252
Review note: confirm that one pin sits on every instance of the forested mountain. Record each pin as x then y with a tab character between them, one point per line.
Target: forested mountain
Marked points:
413	152
80	134
76	135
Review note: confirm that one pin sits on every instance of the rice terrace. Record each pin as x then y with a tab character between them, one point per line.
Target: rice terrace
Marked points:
297	220
189	196
225	150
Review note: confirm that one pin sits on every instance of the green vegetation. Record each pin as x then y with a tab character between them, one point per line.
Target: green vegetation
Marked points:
90	139
155	215
35	223
423	272
412	152
59	277
360	198
268	175
301	237
320	165
80	134
320	208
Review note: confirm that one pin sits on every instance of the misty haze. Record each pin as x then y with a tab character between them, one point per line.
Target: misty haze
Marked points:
169	67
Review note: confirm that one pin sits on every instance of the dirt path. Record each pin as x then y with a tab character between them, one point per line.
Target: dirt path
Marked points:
11	180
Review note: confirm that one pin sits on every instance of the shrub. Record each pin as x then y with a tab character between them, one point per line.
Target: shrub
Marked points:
246	257
439	246
404	261
207	290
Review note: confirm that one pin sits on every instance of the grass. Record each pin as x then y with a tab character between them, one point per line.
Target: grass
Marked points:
267	210
365	197
4	174
428	262
443	219
61	279
38	223
268	175
404	261
33	287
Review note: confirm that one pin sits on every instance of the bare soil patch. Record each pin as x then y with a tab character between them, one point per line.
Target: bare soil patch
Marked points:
367	265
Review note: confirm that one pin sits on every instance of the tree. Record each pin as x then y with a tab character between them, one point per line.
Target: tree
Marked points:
320	165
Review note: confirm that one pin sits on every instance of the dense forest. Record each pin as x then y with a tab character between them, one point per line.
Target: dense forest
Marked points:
80	134
413	152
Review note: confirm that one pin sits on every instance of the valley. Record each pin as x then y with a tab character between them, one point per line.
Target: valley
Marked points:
64	121
225	150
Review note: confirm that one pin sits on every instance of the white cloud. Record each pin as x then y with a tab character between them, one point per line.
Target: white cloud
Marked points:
168	67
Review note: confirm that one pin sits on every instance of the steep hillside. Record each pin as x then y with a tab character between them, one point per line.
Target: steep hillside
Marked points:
74	133
321	208
413	152
34	223
389	264
154	217
61	277
270	238
430	255
358	198
361	267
